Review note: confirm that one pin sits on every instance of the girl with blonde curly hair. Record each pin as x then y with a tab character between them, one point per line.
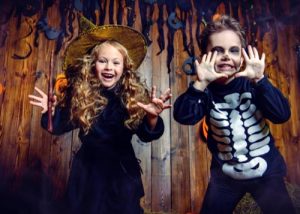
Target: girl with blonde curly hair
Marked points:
86	101
106	100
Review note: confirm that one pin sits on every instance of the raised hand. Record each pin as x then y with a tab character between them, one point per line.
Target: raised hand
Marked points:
156	105
255	66
206	70
42	100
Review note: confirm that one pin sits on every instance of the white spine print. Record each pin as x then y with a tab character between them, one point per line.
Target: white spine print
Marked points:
242	134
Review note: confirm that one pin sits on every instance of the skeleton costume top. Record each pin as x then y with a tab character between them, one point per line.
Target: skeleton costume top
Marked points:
238	135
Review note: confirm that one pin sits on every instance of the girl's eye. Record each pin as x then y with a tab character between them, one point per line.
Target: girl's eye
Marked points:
218	49
235	50
116	63
101	60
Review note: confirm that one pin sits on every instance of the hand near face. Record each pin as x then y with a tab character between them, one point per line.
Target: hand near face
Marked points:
255	66
206	69
42	100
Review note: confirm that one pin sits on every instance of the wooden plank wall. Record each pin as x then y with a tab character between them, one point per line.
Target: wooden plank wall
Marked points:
176	167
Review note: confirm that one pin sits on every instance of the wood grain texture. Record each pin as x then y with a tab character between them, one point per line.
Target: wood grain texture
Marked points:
175	167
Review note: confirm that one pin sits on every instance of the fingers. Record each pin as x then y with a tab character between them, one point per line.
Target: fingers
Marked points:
54	100
35	97
159	102
203	58
40	101
197	65
253	54
40	91
206	69
263	57
166	106
39	104
153	92
250	51
246	57
166	95
142	105
241	74
36	103
214	56
53	110
209	58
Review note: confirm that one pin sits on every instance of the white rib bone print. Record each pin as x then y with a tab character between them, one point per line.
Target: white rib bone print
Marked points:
242	135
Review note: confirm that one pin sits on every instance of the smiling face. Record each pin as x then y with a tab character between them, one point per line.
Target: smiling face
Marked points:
109	65
229	57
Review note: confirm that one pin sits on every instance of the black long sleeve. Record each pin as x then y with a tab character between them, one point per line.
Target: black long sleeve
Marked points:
274	106
146	134
190	107
61	121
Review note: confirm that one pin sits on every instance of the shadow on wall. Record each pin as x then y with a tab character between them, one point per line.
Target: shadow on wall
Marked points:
31	194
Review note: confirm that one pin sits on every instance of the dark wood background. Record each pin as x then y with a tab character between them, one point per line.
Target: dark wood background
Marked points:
176	167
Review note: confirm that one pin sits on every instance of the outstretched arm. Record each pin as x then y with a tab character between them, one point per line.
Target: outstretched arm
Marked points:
61	120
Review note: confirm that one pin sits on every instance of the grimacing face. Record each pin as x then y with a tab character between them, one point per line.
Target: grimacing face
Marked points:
109	65
229	53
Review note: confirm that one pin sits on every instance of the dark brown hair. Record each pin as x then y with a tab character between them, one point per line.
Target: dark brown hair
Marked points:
222	23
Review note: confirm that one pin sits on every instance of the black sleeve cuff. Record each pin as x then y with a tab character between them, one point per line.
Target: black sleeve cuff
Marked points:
146	134
195	93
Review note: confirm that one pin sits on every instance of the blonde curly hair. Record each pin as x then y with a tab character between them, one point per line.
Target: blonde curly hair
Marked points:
85	99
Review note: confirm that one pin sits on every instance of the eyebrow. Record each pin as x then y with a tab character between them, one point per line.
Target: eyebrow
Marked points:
219	47
99	57
235	47
216	48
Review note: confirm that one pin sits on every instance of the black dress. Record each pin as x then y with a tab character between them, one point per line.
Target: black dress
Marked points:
105	175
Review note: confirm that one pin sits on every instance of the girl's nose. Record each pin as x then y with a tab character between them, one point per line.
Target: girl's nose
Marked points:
108	65
225	56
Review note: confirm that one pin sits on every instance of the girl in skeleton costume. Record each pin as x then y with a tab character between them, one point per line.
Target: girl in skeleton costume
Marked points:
105	99
235	104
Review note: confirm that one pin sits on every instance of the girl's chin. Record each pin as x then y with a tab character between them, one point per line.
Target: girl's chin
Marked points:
107	83
108	86
228	72
224	80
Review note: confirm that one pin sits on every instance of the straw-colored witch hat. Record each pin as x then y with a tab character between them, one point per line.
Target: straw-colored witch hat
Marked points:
91	35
